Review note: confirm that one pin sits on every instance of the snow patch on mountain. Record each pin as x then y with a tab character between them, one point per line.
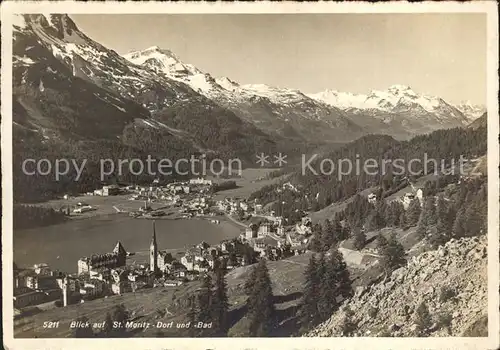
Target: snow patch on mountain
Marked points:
19	21
471	111
162	61
396	99
383	100
227	84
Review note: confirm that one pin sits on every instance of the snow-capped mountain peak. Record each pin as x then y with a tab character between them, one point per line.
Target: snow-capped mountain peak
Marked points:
385	100
401	90
470	110
161	61
227	83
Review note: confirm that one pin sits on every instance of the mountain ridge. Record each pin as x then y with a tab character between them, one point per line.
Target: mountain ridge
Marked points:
397	111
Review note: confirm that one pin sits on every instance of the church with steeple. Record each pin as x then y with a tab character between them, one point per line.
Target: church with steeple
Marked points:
159	261
153	252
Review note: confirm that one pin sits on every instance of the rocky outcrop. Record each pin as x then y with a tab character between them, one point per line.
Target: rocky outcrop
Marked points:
451	281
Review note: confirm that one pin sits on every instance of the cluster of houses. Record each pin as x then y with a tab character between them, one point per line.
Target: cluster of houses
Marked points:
405	199
35	286
234	206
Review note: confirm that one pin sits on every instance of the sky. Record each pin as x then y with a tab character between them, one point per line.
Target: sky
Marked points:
434	54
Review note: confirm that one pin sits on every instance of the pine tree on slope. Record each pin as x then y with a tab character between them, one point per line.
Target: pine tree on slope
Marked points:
261	312
220	305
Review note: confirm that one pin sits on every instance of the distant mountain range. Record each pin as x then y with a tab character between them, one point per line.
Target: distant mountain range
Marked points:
68	86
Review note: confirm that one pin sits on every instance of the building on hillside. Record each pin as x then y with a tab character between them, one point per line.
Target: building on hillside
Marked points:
251	231
408	197
264	230
111	190
94	288
280	231
164	261
41	282
42	269
108	260
200	181
227	246
260	244
103	274
372	198
121	287
188	262
70	289
25	296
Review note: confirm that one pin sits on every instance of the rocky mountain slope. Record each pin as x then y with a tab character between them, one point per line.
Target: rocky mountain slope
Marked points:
329	115
450	281
471	111
482	121
67	86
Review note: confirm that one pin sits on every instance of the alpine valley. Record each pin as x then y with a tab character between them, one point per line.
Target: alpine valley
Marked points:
73	96
396	249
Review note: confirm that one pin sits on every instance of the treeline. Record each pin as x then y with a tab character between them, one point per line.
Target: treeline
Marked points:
327	284
28	216
209	305
463	213
324	188
458	210
36	187
217	129
226	185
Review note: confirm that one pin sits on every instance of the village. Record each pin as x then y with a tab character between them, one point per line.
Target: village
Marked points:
263	234
103	274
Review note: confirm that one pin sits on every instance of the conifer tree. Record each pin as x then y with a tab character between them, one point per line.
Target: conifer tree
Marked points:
402	221
316	239
381	243
427	218
343	285
205	303
442	233
220	305
413	212
441	209
309	310
474	222
261	312
249	282
340	232
327	235
459	225
375	220
192	314
359	238
393	254
430	208
323	301
335	283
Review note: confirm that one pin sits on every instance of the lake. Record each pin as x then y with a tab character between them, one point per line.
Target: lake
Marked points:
62	245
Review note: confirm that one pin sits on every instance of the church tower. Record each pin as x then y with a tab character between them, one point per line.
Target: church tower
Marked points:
153	252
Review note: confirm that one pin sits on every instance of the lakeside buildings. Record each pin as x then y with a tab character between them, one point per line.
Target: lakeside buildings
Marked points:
105	274
108	260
